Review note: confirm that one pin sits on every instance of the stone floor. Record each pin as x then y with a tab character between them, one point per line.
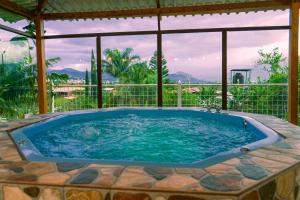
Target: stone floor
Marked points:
269	173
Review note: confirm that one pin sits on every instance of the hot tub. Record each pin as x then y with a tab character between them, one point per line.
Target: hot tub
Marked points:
160	137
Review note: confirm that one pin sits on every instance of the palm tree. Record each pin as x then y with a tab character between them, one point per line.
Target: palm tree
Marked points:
138	73
118	63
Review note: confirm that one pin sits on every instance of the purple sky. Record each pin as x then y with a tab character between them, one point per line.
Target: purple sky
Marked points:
197	54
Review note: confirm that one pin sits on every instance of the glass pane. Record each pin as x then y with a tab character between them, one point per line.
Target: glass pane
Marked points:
96	26
193	62
269	18
258	72
129	71
71	66
18	89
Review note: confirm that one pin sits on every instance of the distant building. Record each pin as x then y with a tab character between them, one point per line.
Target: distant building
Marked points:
240	76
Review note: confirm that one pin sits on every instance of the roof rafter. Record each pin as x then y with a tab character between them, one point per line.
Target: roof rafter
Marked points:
41	5
15	8
165	11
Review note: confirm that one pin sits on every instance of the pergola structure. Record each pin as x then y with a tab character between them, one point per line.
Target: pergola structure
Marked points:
40	10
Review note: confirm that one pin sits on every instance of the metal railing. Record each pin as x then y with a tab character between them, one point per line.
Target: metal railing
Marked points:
268	99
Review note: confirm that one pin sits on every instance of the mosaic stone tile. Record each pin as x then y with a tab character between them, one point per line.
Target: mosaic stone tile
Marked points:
221	168
267	191
17	169
222	183
270	165
285	185
275	155
4	173
252	171
189	171
158	173
131	196
32	191
39	168
160	198
105	180
51	194
77	194
14	193
183	197
85	177
54	178
175	182
23	177
65	167
133	175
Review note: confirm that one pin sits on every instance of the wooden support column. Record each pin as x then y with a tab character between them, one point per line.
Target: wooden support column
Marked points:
41	65
159	66
224	70
293	63
99	72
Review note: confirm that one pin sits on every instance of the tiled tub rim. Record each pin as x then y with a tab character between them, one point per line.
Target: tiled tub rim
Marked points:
283	128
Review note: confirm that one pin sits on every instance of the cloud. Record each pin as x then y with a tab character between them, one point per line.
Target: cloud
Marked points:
197	53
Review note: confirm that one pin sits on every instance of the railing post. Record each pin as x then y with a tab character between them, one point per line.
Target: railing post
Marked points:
224	70
179	94
99	72
52	106
293	63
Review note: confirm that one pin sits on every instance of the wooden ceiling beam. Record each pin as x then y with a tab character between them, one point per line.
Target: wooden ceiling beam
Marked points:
15	8
41	5
168	11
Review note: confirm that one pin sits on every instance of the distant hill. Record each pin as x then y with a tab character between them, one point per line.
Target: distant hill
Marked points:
184	78
80	75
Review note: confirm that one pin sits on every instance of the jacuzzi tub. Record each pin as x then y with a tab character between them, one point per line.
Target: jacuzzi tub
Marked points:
163	137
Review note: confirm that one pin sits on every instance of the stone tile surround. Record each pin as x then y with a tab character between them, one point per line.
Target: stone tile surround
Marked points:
269	173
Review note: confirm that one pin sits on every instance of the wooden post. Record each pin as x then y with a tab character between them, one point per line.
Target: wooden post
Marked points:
41	64
293	63
159	66
224	70
99	72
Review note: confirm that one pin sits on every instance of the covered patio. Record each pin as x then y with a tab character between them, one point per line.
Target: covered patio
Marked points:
271	172
47	10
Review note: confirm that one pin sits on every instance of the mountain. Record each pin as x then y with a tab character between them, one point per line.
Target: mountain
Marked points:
184	78
80	75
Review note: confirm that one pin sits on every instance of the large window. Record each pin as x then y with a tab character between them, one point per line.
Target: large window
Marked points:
71	74
96	26
269	18
192	69
258	72
129	70
18	91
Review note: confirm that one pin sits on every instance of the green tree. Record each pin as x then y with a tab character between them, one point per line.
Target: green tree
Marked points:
87	82
275	64
93	69
165	70
118	63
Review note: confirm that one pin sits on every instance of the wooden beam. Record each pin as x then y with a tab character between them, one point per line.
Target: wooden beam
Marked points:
293	64
159	66
41	5
176	31
41	65
12	30
224	70
99	72
167	11
15	8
